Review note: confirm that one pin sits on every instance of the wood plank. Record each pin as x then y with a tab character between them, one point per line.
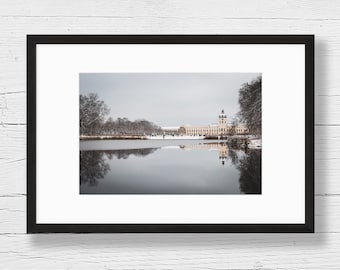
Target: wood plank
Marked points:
13	108
171	251
12	143
301	10
14	30
327	110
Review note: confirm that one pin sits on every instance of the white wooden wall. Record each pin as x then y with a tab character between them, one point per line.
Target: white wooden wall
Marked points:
205	251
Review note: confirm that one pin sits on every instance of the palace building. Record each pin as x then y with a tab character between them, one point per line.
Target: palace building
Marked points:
222	128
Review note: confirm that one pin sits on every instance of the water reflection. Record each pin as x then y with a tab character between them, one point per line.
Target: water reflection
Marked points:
249	164
125	153
250	170
220	146
238	171
93	166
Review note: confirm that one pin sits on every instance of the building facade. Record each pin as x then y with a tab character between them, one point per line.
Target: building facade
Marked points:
220	129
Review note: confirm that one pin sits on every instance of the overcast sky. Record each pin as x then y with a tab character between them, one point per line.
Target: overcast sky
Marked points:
168	99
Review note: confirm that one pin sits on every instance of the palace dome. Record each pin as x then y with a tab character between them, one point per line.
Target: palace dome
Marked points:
222	114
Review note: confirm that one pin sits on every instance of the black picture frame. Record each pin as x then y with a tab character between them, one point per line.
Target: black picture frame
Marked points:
34	40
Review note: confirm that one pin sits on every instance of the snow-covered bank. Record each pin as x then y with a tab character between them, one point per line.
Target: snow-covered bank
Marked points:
158	142
255	144
133	144
170	137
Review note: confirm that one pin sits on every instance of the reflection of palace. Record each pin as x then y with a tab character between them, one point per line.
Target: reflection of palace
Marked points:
221	147
222	128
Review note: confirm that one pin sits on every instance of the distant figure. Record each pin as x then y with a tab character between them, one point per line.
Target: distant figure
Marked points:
163	136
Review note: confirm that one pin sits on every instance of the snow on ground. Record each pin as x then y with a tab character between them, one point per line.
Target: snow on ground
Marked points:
170	137
134	144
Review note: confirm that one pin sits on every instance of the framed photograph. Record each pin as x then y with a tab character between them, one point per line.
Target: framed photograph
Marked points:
170	133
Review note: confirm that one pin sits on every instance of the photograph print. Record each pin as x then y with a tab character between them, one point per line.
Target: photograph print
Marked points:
170	133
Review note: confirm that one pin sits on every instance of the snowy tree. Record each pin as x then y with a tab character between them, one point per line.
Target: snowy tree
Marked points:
250	100
92	112
92	120
234	124
137	127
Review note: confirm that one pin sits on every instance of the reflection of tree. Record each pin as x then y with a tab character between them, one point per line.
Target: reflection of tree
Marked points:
232	155
125	153
250	170
93	166
250	173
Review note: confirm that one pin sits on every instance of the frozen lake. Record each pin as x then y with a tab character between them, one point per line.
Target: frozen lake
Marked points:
167	167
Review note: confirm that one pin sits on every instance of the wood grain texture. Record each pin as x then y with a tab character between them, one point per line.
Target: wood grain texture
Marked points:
264	9
206	251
